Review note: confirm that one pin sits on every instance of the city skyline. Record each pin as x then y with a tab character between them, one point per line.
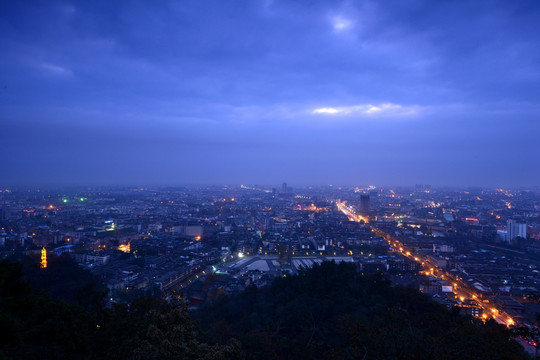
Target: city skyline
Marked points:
311	93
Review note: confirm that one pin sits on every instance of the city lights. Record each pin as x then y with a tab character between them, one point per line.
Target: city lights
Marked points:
247	241
313	179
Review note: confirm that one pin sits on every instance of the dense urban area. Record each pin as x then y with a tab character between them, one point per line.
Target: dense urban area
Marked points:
476	251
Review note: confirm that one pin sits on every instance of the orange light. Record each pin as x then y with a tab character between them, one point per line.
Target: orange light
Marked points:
125	247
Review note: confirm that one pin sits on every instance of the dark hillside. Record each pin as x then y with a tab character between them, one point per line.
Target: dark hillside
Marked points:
333	312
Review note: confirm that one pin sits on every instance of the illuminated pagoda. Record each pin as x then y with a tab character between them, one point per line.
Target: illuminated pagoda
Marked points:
43	263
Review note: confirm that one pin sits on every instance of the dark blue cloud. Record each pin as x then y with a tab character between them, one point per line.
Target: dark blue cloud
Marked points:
211	92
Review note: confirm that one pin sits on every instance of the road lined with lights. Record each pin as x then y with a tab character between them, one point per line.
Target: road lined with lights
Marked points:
350	212
461	289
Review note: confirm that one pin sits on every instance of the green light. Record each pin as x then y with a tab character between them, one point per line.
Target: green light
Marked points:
64	201
82	199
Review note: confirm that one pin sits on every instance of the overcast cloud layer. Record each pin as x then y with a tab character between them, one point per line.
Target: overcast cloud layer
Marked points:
308	92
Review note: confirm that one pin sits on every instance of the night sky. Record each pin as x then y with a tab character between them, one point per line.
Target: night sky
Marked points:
262	92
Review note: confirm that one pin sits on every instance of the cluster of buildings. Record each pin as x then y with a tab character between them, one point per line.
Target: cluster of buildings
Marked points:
480	249
463	247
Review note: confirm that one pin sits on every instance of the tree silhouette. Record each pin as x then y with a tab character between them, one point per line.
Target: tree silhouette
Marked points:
332	311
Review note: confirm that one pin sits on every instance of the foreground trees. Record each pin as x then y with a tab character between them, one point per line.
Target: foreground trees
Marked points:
333	312
328	312
37	326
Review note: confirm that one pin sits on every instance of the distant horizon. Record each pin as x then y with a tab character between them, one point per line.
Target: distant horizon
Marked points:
261	186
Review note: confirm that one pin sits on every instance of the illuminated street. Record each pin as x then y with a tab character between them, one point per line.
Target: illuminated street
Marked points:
461	290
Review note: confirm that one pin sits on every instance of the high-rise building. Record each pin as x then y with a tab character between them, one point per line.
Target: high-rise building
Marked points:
364	204
514	229
284	188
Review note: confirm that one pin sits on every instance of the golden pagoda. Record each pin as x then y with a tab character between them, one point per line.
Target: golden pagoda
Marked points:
43	262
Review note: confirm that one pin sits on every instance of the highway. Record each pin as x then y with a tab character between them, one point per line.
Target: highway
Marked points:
350	212
461	289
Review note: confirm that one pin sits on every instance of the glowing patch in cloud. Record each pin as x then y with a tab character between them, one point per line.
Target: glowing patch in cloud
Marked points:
326	111
340	23
373	109
369	109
